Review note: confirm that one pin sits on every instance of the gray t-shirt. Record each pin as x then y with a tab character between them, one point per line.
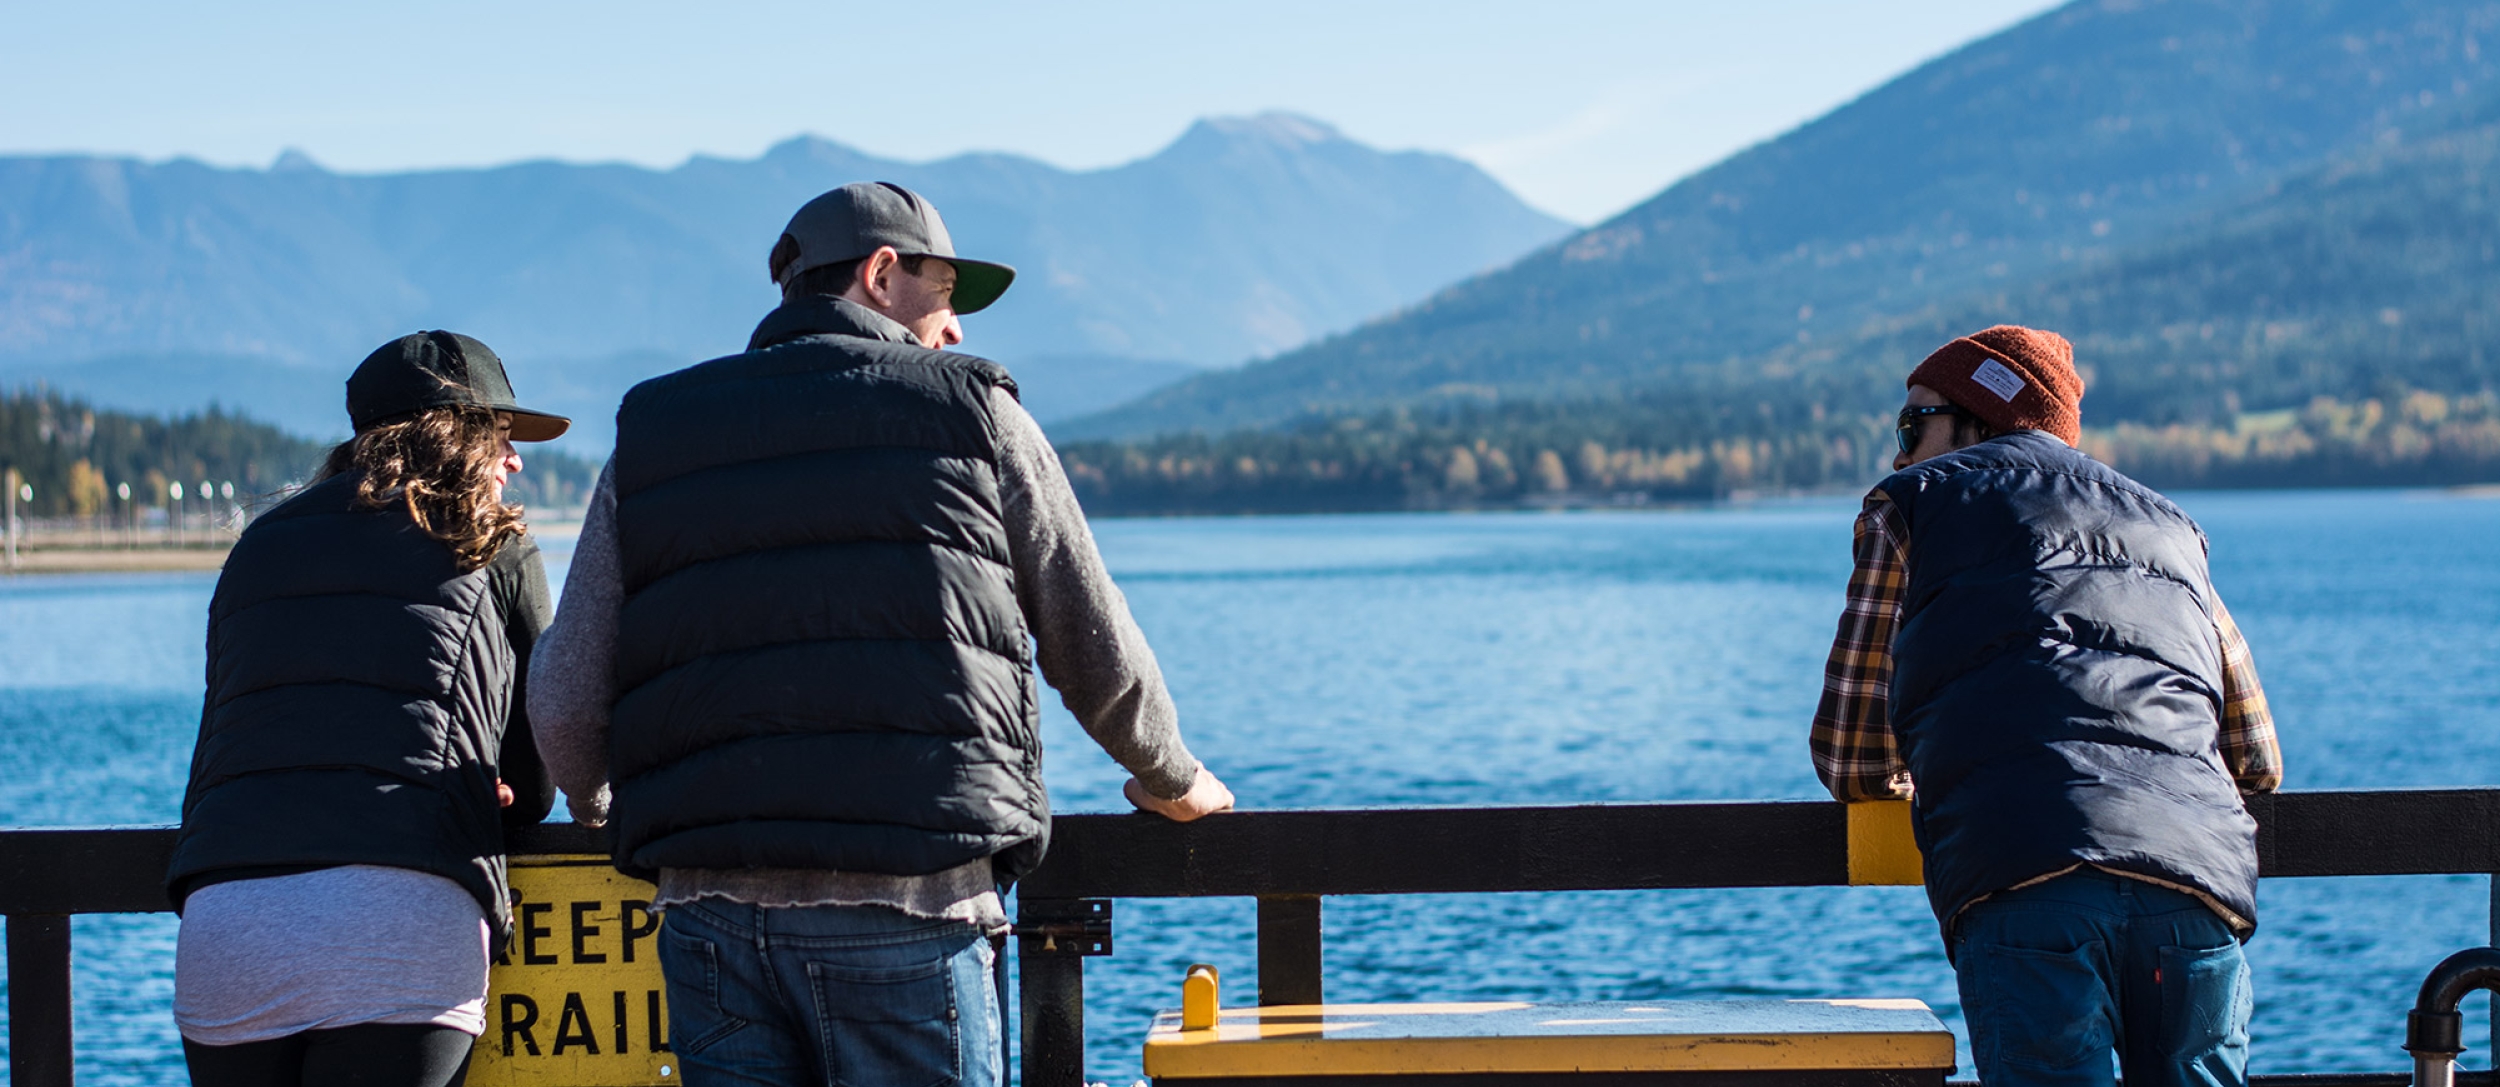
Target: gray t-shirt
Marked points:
259	959
1090	650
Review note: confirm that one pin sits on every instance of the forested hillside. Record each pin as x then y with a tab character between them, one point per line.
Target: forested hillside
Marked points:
2035	154
2377	271
2338	329
1664	448
78	458
2331	323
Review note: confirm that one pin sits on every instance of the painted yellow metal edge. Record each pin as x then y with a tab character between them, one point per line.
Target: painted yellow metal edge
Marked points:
1201	998
1882	851
1207	1054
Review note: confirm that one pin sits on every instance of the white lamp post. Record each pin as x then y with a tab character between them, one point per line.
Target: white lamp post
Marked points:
12	515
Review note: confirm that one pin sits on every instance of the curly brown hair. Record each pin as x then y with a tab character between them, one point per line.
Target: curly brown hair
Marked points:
439	465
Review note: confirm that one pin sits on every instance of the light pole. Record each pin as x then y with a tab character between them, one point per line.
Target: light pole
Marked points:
25	493
173	512
129	522
12	485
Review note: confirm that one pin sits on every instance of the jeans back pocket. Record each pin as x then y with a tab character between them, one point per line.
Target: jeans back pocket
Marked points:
2206	999
2038	1008
888	1024
697	1018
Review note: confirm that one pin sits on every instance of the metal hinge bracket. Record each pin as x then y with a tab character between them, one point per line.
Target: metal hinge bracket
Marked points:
1064	926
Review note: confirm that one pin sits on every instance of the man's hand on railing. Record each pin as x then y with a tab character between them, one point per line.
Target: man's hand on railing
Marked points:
1206	796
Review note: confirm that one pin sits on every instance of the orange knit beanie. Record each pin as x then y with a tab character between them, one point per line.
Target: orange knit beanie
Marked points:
2012	378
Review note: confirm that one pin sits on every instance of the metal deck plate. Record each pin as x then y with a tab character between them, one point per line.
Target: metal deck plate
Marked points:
1646	1036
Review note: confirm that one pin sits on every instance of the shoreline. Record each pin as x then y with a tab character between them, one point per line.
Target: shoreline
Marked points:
135	560
35	559
1630	502
561	533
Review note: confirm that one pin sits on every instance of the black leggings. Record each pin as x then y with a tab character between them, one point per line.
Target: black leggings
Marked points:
368	1055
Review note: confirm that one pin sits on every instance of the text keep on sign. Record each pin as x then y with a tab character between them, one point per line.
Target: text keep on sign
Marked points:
576	1000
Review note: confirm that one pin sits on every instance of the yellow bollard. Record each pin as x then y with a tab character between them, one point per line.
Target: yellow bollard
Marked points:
1199	1003
1883	850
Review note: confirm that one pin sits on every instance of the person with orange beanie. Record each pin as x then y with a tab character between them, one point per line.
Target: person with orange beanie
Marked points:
2048	676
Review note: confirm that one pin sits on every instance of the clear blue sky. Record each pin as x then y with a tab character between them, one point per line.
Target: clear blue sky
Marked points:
1584	108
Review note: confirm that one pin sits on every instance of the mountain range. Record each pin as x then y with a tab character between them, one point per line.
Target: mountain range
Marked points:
2042	175
2268	225
166	286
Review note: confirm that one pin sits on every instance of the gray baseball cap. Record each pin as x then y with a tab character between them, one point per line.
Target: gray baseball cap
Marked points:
855	220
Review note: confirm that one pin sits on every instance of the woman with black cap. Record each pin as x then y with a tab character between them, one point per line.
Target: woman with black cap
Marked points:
340	864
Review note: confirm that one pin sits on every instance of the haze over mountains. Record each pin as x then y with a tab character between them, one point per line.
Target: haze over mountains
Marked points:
2007	181
165	285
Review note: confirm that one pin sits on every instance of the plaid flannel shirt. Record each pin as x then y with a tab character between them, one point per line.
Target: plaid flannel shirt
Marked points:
1852	738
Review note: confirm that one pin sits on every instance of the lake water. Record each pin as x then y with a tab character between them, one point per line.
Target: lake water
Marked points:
1512	659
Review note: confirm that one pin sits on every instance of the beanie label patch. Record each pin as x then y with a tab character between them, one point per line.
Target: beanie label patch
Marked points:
1997	378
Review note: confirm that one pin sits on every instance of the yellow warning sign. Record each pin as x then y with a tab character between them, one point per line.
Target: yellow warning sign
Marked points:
576	999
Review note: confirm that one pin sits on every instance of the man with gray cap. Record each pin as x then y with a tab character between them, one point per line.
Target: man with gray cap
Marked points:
792	669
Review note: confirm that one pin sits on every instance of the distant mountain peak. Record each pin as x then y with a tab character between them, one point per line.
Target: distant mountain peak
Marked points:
1274	126
809	147
294	160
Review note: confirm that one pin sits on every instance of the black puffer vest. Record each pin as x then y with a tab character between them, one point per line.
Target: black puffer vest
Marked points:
820	660
359	685
2057	684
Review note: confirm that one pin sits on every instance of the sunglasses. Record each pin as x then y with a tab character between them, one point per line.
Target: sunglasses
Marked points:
1906	429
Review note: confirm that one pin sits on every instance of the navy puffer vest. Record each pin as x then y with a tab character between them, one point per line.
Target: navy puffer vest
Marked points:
821	662
359	688
2057	685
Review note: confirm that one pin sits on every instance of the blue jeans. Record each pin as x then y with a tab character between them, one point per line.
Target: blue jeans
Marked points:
857	996
2055	976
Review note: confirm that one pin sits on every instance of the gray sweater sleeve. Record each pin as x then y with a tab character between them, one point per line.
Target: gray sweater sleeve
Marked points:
1091	650
572	675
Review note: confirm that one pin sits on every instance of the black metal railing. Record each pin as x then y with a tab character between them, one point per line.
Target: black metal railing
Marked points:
1289	861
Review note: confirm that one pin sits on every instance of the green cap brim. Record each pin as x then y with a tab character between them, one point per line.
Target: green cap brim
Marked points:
978	283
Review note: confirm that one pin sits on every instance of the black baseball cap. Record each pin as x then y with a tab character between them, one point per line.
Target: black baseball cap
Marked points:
857	219
434	369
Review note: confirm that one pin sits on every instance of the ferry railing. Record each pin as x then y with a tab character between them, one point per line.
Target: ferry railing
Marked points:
1290	861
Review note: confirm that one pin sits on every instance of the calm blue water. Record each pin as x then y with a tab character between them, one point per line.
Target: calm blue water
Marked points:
1506	659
